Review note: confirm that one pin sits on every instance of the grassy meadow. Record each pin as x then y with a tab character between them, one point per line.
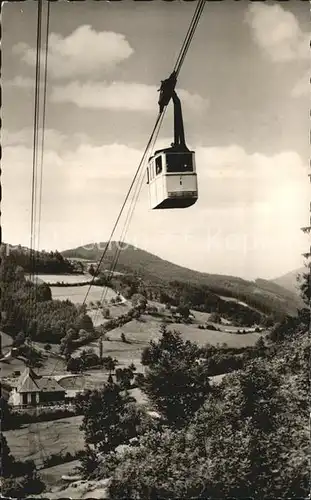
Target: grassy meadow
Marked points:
37	441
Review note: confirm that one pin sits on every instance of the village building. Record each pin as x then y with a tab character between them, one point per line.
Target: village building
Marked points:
32	389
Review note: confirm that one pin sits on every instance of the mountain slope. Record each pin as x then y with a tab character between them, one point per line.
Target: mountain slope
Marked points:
262	295
289	280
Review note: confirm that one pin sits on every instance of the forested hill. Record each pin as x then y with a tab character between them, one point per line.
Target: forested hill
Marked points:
263	295
43	262
289	280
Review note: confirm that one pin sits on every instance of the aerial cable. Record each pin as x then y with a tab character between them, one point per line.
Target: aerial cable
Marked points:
34	211
189	36
122	208
32	290
177	68
193	22
35	134
37	162
129	216
179	62
43	117
34	206
135	197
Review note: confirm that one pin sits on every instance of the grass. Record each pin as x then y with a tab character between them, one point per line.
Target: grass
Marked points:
52	475
232	299
7	369
138	334
50	364
76	294
66	278
6	342
37	441
115	311
202	337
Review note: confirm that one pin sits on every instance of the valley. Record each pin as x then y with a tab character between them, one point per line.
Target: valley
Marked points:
119	321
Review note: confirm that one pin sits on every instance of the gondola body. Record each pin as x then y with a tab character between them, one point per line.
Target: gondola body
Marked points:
172	179
171	172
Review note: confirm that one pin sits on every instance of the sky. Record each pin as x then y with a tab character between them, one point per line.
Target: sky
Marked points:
244	91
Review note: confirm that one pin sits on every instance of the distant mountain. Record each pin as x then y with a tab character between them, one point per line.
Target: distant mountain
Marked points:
289	280
263	295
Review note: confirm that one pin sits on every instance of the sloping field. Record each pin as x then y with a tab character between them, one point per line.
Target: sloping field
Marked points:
76	294
202	337
7	369
232	299
139	333
39	440
115	310
6	341
65	278
52	475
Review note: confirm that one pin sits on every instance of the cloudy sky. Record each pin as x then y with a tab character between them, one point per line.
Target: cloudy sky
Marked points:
244	88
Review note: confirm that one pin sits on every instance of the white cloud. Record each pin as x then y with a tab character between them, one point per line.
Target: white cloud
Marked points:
20	82
302	87
250	205
83	52
125	96
233	162
235	178
54	141
277	32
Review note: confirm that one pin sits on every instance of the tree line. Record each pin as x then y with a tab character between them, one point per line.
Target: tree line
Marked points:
245	437
29	308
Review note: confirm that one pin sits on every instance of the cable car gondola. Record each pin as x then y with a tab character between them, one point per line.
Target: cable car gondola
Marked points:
171	172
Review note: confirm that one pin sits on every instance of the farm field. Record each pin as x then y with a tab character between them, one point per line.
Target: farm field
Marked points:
124	353
138	334
76	294
14	364
202	337
232	299
38	440
65	278
141	332
52	365
52	475
115	311
6	342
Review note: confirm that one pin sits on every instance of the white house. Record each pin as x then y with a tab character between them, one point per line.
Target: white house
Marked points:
32	389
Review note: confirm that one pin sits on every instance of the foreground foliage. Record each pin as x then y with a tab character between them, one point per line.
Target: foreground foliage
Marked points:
250	438
17	477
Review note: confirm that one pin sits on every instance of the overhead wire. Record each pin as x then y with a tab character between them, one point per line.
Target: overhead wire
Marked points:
42	450
140	179
121	210
35	219
152	139
179	62
43	118
189	36
32	250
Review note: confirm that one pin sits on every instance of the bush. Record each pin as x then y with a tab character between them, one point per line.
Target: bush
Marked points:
106	313
18	419
61	458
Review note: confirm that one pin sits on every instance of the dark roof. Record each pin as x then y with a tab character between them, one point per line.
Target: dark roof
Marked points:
49	385
27	381
30	382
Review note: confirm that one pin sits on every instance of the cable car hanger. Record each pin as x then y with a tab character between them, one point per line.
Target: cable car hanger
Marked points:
167	92
171	174
136	184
